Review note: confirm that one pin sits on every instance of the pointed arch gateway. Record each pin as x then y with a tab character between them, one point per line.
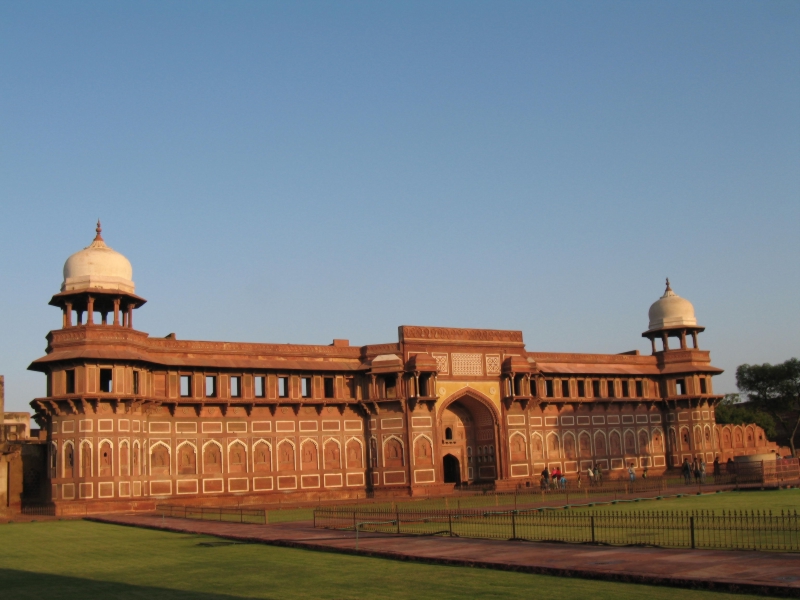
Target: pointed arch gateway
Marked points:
472	446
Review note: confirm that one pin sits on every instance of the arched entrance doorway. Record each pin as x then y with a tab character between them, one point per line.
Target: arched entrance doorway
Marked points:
452	470
467	436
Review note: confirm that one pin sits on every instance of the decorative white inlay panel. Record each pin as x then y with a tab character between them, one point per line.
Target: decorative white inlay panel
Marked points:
441	362
492	364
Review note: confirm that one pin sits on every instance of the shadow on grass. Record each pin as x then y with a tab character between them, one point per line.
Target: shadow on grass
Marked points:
25	585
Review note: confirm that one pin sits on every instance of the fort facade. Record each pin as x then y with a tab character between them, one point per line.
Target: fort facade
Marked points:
130	418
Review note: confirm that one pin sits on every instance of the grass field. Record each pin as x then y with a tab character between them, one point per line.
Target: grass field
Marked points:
79	559
774	500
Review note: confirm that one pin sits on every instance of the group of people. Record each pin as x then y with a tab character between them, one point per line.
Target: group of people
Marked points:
555	480
697	469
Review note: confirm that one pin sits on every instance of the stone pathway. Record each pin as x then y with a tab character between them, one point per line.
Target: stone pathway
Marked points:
769	573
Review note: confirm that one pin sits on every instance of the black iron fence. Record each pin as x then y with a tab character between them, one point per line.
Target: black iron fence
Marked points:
229	514
699	529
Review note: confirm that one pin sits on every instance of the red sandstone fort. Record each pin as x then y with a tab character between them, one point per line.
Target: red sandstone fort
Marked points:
129	418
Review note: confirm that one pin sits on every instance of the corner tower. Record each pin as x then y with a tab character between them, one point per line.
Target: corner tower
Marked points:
98	280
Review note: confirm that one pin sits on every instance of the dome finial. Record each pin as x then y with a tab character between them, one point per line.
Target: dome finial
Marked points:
669	289
99	230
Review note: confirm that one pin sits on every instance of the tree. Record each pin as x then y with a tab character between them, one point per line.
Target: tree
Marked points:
733	411
774	389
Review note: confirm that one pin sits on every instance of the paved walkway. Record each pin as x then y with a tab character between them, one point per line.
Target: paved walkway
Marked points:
770	573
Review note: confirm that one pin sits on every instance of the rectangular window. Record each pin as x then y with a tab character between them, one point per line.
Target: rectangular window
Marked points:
260	387
423	386
186	386
680	387
596	388
236	386
549	388
534	390
390	386
581	388
305	387
106	380
283	387
703	386
565	388
136	382
639	388
211	386
70	381
328	387
610	389
625	388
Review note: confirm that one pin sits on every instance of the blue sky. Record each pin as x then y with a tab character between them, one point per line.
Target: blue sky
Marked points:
295	172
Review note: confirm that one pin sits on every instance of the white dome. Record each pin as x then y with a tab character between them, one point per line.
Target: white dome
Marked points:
671	311
97	267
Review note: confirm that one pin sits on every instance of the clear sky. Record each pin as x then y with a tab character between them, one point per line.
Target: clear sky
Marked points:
299	171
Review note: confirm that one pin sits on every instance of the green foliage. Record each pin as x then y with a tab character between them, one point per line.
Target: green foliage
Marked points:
774	389
732	411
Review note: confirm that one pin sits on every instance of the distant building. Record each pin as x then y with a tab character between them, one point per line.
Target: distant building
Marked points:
131	418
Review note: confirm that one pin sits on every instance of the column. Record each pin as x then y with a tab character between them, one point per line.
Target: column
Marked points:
683	339
694	339
130	316
90	311
116	311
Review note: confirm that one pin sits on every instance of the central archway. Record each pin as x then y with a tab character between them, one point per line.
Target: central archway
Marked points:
467	425
452	469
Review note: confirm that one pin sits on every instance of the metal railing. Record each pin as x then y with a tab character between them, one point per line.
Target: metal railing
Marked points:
228	514
672	529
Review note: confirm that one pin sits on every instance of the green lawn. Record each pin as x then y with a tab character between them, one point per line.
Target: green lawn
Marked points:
80	559
774	500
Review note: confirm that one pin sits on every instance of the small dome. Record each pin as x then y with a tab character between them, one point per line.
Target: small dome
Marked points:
97	267
671	311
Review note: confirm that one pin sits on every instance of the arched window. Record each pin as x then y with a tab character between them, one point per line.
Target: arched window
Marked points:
237	458
159	460
124	459
262	457
105	459
355	458
212	458
286	457
448	433
333	458
187	459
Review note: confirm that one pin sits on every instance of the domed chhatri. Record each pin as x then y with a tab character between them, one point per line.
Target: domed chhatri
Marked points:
98	267
671	311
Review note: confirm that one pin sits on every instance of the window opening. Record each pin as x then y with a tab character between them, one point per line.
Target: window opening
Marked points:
581	388
211	386
70	381
236	386
328	387
703	386
283	387
565	388
596	388
260	387
186	386
106	380
548	384
305	387
136	382
448	433
625	388
680	387
639	388
610	388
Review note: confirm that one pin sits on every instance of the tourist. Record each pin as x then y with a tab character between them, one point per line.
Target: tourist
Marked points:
598	475
696	470
579	480
545	479
631	473
563	481
717	467
702	471
644	473
730	467
591	476
687	471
